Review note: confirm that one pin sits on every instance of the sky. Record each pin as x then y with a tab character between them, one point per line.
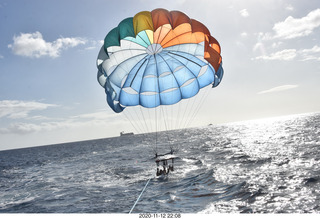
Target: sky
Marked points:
48	76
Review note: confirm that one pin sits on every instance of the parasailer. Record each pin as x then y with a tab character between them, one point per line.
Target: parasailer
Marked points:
157	58
162	163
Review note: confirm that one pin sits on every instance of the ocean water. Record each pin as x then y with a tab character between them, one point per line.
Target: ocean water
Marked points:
263	166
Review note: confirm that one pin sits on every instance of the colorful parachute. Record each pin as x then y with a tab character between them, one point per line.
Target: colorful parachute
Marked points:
157	58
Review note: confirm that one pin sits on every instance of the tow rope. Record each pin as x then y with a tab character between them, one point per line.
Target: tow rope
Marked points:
139	196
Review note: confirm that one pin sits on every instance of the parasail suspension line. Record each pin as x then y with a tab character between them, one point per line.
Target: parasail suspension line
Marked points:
200	104
156	120
139	196
130	120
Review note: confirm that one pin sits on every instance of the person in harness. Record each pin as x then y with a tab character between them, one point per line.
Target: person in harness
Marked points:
164	169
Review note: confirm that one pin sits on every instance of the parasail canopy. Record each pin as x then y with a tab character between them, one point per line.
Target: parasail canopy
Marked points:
157	58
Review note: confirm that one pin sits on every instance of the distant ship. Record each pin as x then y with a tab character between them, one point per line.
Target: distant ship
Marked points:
126	134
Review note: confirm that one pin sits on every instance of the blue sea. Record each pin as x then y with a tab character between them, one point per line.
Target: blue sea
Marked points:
261	166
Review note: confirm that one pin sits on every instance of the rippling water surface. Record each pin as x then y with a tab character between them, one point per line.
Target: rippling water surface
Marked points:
263	166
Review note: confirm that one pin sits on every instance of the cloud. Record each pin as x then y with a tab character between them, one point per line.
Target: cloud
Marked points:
279	88
276	44
20	128
289	7
101	115
257	46
1	56
19	109
90	48
244	34
310	54
27	128
290	54
244	13
297	27
284	55
76	122
315	49
34	46
94	44
15	109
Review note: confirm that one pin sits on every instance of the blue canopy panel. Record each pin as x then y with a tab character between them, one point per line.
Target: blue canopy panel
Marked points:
133	77
218	76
